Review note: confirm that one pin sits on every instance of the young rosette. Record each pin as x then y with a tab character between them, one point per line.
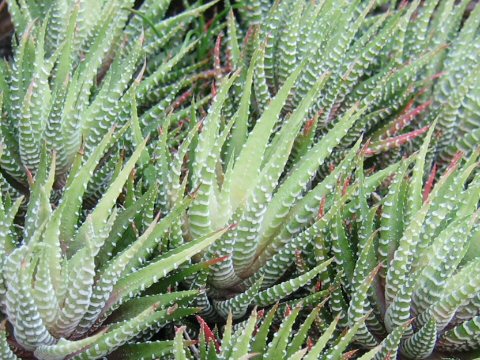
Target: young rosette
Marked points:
253	338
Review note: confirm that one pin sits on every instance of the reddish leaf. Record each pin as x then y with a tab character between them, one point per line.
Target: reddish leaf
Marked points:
429	184
209	335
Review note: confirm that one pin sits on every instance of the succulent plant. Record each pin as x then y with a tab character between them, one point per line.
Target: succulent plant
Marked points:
76	67
325	176
362	59
71	291
253	339
286	332
422	232
455	95
242	175
413	63
404	275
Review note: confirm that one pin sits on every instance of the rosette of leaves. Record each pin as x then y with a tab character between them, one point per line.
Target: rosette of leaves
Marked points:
76	67
252	339
240	170
80	286
362	54
285	332
423	232
455	90
418	60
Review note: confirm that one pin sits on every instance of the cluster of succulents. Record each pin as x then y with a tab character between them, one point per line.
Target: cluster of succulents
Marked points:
241	179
